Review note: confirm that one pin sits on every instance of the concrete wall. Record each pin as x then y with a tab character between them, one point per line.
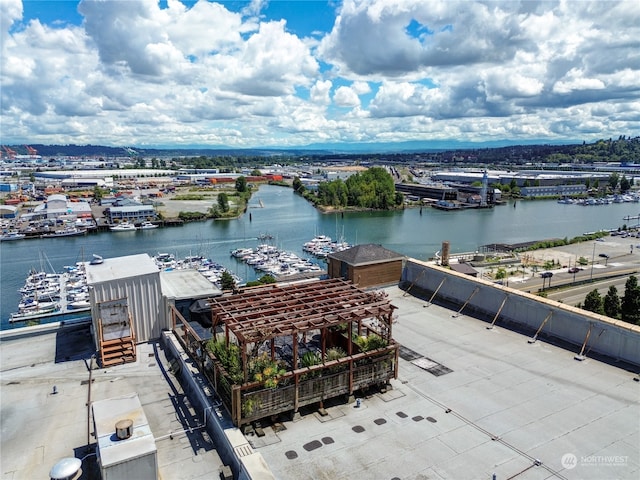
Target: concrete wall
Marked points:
232	446
617	340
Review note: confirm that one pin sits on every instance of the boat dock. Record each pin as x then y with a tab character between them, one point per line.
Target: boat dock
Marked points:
66	283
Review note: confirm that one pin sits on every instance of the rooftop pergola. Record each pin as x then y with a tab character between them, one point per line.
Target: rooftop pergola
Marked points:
319	333
269	312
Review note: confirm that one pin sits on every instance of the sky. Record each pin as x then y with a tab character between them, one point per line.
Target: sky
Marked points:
288	74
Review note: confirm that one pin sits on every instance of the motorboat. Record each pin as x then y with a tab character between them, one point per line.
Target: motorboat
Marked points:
6	237
123	227
70	231
147	226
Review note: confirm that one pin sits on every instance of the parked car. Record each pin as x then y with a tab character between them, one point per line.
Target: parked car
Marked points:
546	274
574	269
603	255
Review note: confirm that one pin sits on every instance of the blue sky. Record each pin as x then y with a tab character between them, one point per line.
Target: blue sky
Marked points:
296	73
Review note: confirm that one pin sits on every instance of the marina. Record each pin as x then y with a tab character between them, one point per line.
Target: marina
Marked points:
53	296
268	259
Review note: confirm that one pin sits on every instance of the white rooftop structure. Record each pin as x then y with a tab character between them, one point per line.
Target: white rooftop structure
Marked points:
187	284
120	268
134	456
133	280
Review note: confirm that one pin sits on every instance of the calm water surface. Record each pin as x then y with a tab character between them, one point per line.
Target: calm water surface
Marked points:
292	221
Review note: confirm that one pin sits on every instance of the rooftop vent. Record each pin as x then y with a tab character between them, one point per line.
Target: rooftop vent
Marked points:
124	429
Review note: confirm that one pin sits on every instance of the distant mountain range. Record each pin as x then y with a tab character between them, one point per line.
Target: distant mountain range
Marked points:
626	149
312	149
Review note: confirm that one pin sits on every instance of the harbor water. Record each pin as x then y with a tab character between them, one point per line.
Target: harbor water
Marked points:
291	221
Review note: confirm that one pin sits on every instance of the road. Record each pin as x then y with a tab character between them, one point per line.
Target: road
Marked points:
600	273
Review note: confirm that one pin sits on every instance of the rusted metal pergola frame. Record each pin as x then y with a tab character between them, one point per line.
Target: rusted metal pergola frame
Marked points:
265	313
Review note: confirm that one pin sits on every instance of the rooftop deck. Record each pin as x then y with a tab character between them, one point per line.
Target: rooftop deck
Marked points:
469	402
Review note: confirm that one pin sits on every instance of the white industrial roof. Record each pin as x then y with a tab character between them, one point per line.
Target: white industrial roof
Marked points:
187	283
121	267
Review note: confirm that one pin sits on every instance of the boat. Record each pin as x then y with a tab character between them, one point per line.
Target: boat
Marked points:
80	304
71	231
147	226
53	296
34	310
123	227
9	236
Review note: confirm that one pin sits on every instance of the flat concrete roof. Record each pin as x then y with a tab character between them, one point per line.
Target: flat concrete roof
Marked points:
121	267
187	283
39	428
503	404
469	402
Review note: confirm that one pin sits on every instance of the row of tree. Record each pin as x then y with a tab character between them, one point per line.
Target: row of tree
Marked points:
373	188
611	305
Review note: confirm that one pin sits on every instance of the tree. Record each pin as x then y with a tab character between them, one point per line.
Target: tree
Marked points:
613	180
630	306
223	202
297	185
611	303
241	184
625	184
593	302
226	281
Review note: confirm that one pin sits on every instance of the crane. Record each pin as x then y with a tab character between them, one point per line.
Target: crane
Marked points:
9	152
32	151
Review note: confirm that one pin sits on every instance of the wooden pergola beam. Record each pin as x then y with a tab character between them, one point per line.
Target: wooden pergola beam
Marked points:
299	308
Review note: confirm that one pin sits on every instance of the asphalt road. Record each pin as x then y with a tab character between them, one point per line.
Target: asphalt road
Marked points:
623	261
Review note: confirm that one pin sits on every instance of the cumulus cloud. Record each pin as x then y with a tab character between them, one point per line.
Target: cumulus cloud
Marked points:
320	92
149	72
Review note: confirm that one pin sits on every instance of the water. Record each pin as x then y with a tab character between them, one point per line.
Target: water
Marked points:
292	221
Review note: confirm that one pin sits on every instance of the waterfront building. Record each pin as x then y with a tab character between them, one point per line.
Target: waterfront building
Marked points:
554	190
130	211
475	397
59	206
521	177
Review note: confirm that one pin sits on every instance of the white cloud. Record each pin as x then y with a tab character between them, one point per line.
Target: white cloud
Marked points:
346	97
319	93
135	73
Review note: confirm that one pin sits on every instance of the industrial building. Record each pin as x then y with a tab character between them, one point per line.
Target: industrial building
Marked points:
490	381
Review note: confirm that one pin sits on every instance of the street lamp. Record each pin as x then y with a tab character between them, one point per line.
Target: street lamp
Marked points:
593	259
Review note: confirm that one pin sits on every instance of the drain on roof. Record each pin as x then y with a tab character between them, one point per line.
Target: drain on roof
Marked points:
291	454
431	366
312	445
408	354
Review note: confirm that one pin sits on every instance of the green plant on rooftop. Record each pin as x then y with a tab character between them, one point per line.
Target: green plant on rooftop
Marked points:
229	357
264	369
371	342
